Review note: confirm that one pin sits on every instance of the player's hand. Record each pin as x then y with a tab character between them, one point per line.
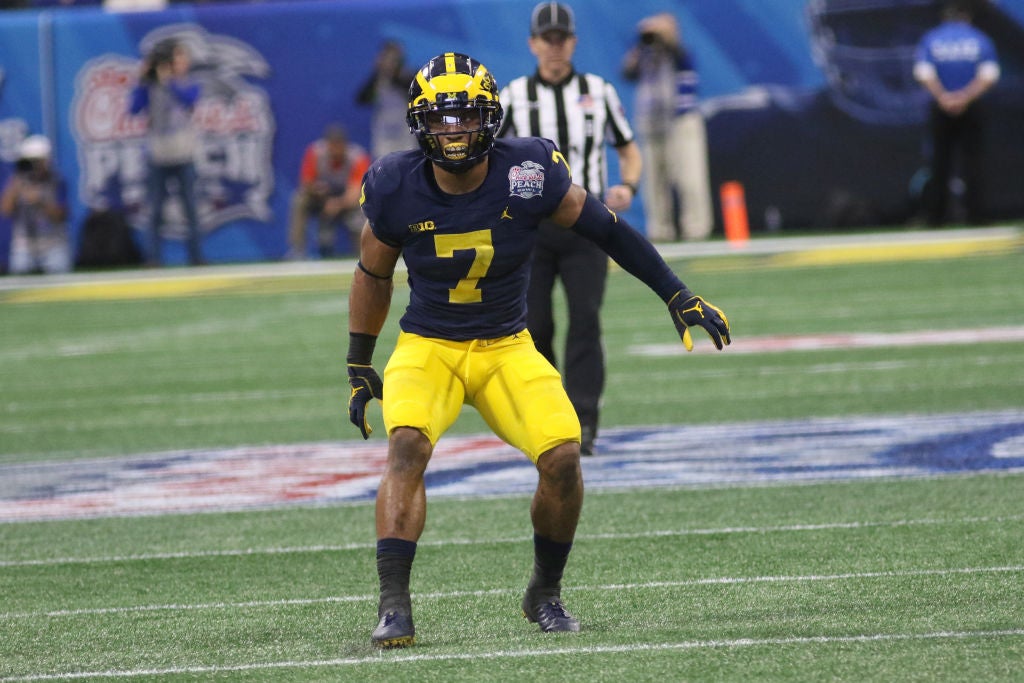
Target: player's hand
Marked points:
689	310
366	384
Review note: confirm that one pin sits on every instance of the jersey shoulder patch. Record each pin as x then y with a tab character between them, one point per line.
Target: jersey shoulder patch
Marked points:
535	170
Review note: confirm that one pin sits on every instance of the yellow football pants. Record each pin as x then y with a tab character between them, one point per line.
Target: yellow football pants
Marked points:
518	393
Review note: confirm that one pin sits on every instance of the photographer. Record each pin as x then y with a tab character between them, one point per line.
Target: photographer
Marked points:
168	95
34	200
386	90
671	132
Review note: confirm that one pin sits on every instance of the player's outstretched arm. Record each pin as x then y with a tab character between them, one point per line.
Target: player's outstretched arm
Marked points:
589	217
368	304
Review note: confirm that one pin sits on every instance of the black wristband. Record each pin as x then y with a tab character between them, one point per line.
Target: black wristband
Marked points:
360	348
632	187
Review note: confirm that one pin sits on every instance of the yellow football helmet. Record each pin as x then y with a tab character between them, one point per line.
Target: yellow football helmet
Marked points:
451	96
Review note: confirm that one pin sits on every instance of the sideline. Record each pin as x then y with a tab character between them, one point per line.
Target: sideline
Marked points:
212	278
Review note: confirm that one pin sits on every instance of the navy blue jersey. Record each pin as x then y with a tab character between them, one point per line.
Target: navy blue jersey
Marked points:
468	256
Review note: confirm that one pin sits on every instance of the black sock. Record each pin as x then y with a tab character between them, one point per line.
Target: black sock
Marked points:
549	558
394	565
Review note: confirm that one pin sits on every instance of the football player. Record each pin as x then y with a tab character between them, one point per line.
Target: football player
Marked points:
462	211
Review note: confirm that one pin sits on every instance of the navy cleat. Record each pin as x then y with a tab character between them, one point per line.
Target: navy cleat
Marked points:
550	614
394	630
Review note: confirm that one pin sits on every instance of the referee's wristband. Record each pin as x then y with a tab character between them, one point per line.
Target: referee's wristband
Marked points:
632	187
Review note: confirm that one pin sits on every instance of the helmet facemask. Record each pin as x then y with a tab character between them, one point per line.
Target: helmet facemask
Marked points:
454	111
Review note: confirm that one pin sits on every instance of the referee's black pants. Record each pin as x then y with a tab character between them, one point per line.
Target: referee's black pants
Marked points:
583	268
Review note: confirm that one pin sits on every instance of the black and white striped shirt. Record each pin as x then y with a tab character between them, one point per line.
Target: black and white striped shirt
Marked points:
581	114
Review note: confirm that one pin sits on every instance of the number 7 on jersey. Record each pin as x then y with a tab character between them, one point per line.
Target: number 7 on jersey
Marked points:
479	241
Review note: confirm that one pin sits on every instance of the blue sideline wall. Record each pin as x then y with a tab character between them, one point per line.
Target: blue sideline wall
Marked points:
275	73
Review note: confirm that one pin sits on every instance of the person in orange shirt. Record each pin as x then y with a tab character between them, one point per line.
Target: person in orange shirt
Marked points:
329	183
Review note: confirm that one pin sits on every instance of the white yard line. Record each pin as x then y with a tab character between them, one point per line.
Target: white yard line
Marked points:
397	658
449	595
369	545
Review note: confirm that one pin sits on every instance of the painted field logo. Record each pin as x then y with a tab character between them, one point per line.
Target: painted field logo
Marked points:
526	181
233	116
329	473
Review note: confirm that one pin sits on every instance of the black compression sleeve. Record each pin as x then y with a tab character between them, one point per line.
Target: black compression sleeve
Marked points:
629	248
360	348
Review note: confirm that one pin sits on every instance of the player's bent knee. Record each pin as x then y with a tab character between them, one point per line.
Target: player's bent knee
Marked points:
560	466
408	450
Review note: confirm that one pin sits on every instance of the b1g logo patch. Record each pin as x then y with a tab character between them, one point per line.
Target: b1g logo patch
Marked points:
526	181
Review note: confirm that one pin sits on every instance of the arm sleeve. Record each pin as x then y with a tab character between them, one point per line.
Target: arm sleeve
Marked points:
627	247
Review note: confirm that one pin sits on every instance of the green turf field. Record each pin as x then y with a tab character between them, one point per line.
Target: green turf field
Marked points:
889	579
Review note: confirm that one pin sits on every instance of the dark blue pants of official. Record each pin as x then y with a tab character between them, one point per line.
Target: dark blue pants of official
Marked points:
185	177
954	137
582	267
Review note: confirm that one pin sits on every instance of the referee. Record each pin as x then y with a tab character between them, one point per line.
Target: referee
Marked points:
581	113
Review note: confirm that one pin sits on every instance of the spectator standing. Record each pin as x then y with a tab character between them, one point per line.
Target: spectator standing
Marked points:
168	95
329	186
957	65
672	135
34	198
386	90
581	113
